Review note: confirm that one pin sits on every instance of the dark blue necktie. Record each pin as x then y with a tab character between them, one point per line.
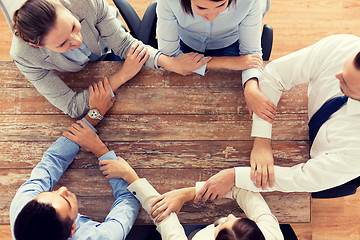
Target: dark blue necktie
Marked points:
323	114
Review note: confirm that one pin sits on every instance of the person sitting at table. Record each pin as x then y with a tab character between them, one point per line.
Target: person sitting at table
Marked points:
38	212
229	31
332	69
65	35
260	224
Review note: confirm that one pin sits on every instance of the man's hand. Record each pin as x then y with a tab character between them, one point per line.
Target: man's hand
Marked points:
118	169
217	186
184	64
257	102
86	138
169	202
262	161
100	96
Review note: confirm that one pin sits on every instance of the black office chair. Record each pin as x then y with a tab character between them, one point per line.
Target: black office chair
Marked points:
343	190
145	30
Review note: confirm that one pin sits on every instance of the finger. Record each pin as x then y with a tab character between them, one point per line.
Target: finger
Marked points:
204	61
198	57
96	89
206	195
141	54
159	198
155	207
82	124
72	130
77	127
69	136
145	58
271	176
138	51
106	84
266	117
200	193
252	171
271	106
213	196
91	89
104	162
258	176
164	215
133	48
101	87
264	178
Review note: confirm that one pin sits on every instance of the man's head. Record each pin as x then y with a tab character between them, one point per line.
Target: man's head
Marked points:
50	215
233	228
47	24
349	78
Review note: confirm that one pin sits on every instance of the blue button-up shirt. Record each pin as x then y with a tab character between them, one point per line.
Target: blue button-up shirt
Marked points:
241	21
55	161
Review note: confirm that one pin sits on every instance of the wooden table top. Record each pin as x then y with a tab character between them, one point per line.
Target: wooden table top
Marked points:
173	130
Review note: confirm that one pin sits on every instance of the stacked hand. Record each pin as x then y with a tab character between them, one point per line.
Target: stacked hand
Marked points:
100	96
118	169
246	61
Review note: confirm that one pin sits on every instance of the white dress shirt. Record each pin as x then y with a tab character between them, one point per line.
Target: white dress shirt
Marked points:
251	203
335	153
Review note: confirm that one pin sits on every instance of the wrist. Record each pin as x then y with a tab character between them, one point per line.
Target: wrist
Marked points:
262	142
132	178
93	122
99	149
118	79
188	194
251	84
165	61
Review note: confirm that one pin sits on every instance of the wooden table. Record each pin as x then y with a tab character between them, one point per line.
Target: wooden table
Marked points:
173	130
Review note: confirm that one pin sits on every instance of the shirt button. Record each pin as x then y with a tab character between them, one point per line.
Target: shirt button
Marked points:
134	192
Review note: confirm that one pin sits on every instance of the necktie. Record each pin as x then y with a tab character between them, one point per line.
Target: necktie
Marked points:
323	114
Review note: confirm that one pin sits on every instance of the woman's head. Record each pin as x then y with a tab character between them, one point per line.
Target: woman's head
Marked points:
238	229
207	9
46	23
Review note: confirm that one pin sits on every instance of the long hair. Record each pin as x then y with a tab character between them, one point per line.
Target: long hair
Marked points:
186	5
33	20
243	229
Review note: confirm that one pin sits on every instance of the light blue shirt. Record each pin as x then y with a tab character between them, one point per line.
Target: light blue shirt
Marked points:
55	161
241	21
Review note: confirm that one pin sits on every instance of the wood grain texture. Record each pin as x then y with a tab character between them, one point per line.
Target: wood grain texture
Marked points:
160	154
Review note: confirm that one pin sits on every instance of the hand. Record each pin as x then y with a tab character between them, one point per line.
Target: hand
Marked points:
170	202
100	96
262	161
246	61
184	64
217	186
134	61
86	138
118	169
257	102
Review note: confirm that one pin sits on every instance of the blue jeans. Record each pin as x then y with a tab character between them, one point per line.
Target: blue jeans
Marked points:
232	50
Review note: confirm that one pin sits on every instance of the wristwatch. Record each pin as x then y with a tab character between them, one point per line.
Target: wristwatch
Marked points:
94	114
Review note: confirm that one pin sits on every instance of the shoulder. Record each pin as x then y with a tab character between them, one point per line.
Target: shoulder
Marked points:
22	51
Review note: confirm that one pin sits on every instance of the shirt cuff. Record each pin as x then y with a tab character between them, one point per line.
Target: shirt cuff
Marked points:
260	127
111	91
91	126
250	73
108	156
242	179
201	70
156	60
142	189
198	186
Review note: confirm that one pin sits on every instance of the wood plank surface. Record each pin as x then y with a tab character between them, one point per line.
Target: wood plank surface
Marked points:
153	127
160	154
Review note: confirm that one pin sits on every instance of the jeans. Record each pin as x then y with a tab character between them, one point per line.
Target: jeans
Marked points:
232	50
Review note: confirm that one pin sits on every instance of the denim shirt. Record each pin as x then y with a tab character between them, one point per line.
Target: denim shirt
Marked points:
240	21
48	171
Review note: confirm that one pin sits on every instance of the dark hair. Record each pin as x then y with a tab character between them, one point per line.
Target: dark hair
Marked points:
243	229
33	20
40	221
186	5
357	61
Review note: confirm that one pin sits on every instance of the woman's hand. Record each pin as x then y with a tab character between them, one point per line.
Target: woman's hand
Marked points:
170	202
100	96
118	169
257	102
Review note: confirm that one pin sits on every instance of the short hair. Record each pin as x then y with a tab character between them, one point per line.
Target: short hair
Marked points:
34	20
186	5
357	61
40	221
243	229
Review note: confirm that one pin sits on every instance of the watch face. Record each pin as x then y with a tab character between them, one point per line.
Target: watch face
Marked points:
94	114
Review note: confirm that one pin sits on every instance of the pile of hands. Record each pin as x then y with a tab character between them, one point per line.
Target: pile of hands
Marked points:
261	159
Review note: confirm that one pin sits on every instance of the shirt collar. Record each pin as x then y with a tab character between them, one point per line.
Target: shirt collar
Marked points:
353	107
206	233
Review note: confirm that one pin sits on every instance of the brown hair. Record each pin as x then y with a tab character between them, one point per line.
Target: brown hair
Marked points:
243	229
33	20
186	5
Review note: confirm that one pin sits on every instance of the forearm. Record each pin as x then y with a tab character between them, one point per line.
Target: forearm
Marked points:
166	62
221	63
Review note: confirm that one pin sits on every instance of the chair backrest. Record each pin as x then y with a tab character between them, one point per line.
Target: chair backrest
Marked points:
8	7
